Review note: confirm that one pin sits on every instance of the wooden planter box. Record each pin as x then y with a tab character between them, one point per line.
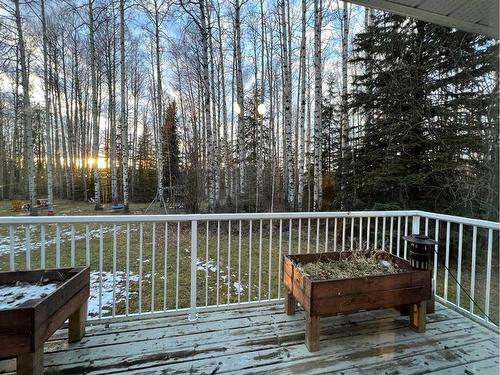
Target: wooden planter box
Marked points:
25	328
409	288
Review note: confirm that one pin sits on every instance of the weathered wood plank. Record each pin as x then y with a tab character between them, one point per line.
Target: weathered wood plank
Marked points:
253	341
446	355
277	335
297	359
488	366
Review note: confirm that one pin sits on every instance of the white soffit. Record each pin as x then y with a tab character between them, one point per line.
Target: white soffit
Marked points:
474	16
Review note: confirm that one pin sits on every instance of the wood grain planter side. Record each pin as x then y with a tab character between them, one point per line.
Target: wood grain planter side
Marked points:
319	298
25	328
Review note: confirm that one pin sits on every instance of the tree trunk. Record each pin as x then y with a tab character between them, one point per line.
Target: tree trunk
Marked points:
344	119
159	109
123	112
26	115
50	178
302	110
227	149
95	111
318	98
287	108
239	96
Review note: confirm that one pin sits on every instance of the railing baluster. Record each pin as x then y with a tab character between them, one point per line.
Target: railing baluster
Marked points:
165	268
426	226
239	289
368	234
391	230
12	255
207	258
279	258
352	233
270	259
343	235
28	246
299	241
447	260
326	235
398	236
127	270
177	265
141	229
459	260
58	246
488	275
473	269
383	233
153	263
229	262
260	259
335	235
101	256
72	245
375	239
290	236
308	236
113	310
405	246
317	236
360	233
218	264
87	246
436	251
250	261
42	246
193	315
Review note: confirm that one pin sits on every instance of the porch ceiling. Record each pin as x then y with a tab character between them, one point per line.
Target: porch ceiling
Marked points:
475	16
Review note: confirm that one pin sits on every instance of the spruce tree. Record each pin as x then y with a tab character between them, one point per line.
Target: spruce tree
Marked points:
425	92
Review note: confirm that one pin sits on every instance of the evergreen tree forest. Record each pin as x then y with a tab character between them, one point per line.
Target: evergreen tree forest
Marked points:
245	106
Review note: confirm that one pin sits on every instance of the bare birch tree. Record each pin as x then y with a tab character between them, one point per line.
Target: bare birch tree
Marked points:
27	113
95	109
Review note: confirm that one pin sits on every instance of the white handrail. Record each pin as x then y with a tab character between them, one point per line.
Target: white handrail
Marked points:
27	238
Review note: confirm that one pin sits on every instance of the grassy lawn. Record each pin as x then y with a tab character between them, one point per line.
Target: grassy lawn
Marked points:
228	267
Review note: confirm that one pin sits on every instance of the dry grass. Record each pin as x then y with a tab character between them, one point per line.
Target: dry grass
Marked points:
360	264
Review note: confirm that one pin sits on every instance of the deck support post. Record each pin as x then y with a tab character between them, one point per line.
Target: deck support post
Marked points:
193	315
76	324
417	316
290	303
30	363
312	332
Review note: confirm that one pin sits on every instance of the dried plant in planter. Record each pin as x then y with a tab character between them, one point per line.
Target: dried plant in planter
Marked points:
359	264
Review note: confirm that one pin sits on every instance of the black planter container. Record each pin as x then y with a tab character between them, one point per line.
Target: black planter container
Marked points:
421	248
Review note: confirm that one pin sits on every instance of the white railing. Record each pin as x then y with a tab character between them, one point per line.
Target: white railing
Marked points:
148	264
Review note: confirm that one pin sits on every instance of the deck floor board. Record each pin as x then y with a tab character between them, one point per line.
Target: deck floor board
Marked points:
264	340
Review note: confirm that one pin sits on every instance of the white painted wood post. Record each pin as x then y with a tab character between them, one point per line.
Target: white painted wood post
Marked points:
193	315
415	223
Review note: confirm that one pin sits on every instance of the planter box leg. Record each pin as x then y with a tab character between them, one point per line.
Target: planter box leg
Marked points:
76	327
290	304
312	332
417	316
30	363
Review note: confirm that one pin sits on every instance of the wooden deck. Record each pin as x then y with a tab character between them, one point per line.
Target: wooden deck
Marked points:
263	340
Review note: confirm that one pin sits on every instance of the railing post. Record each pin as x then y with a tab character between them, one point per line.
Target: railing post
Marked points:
415	224
431	304
193	315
